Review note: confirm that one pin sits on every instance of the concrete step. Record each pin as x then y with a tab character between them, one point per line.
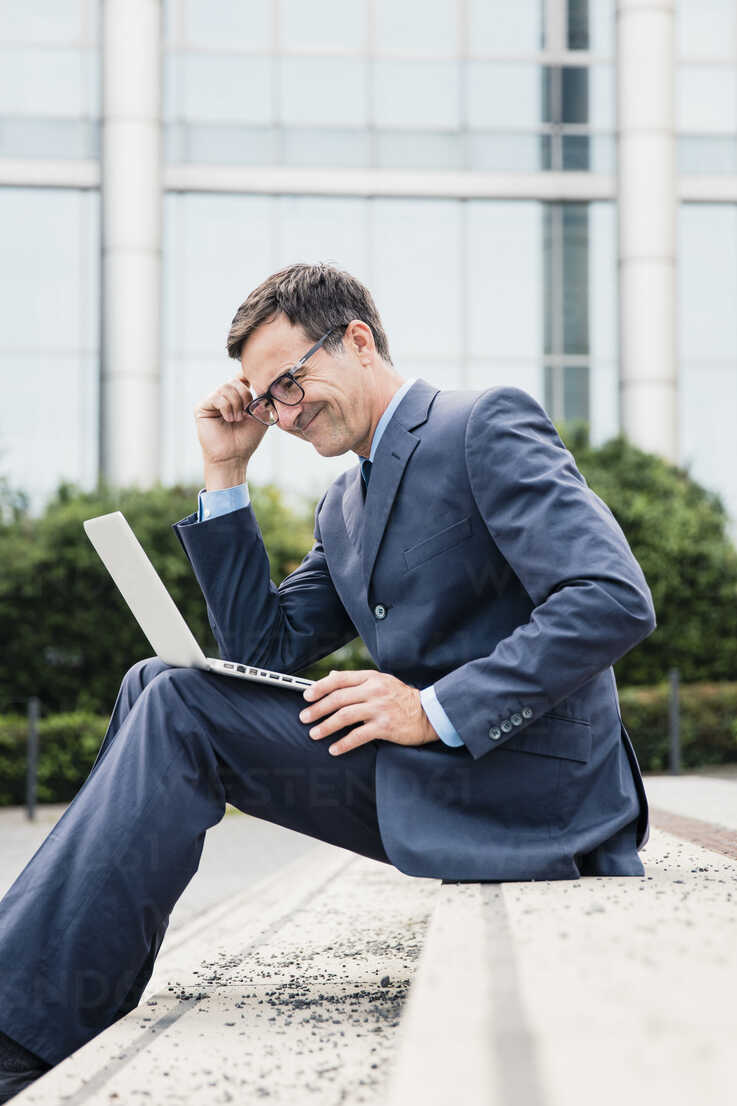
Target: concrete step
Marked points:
610	990
290	991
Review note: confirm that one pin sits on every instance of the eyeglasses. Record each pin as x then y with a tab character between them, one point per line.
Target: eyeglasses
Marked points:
285	389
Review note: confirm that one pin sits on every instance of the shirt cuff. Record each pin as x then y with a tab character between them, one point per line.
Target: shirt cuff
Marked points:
439	720
221	501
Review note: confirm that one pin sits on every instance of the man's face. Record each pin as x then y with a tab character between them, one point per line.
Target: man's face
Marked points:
335	414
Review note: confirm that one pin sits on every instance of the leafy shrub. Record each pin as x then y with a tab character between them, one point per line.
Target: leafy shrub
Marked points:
708	724
68	745
678	532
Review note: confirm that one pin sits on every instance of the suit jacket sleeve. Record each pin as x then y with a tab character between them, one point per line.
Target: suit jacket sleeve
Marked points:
285	628
591	601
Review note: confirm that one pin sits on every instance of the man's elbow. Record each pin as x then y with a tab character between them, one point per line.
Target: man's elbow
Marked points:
644	619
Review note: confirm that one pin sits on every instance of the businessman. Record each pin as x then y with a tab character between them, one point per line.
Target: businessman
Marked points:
493	589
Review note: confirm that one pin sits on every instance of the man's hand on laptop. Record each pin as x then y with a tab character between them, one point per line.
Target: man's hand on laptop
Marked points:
228	435
380	707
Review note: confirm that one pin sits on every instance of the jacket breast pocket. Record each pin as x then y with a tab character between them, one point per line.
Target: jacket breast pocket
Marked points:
440	542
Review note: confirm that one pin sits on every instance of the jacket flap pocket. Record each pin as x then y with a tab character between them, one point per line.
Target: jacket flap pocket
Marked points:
554	736
438	543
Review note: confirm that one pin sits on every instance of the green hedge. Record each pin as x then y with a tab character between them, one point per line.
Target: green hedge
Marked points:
708	724
69	742
68	745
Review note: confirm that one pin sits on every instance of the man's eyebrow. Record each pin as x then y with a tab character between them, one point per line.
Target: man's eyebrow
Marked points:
281	372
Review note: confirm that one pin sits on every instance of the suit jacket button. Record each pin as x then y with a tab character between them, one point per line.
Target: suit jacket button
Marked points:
527	712
495	733
506	726
380	610
516	719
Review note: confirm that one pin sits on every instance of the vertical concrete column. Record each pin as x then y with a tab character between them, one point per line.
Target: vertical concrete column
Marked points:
647	223
131	241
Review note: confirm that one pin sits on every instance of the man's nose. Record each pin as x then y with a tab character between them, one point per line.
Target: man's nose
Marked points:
288	414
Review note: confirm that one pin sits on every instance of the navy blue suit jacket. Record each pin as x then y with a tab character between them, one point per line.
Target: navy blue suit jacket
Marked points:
506	582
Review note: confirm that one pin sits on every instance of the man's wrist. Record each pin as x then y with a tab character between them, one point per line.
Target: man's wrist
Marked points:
430	733
226	475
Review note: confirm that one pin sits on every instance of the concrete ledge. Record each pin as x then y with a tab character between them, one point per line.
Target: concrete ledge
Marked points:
556	993
293	988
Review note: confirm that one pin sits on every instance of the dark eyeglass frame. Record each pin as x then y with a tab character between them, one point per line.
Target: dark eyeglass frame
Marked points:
268	394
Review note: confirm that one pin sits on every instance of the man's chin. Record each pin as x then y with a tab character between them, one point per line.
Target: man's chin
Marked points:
329	449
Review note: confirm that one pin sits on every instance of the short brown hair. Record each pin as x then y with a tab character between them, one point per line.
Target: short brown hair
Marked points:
315	297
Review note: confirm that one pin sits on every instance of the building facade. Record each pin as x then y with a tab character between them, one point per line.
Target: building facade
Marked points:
540	193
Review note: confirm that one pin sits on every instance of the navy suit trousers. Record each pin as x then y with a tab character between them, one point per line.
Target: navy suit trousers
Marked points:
81	926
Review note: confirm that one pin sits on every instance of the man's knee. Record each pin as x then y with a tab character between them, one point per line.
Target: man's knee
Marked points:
141	674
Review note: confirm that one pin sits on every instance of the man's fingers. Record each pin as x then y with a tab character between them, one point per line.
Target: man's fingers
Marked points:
229	401
346	716
333	700
335	680
360	736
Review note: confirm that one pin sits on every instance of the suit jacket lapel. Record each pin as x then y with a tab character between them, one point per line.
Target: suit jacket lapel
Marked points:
386	477
395	449
353	506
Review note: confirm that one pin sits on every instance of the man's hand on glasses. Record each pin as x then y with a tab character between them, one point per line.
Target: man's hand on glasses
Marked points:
228	436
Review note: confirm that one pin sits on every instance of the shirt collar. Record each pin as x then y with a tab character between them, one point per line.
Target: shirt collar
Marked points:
386	417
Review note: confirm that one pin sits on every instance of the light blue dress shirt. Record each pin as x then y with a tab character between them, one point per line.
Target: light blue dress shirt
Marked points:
223	500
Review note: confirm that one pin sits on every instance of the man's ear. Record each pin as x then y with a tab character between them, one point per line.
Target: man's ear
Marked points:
360	339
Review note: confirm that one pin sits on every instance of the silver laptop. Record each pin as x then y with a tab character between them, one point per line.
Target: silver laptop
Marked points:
155	610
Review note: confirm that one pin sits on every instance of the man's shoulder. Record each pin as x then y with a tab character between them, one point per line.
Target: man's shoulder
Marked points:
463	405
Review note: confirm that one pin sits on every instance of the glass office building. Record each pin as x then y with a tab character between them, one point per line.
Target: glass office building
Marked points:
459	156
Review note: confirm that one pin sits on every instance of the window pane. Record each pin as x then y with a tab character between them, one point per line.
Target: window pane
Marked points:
576	152
323	90
49	138
575	278
578	25
220	145
414	26
504	309
308	146
603	153
419	150
416	275
503	94
574	95
49	288
707	276
493	152
517	373
706	28
496	26
579	94
567	393
603	280
707	397
602	97
576	393
217	89
36	21
602	26
706	99
324	23
323	228
49	83
217	248
234	26
706	155
416	94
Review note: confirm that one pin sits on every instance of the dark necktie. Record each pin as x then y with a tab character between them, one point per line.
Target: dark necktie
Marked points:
366	474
